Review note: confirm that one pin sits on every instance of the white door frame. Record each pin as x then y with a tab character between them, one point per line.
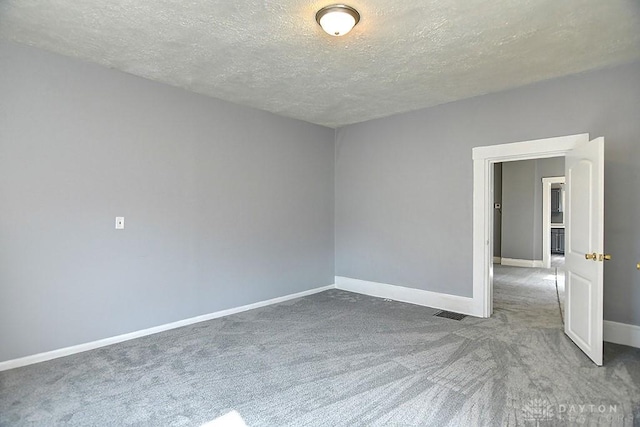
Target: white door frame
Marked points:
483	161
546	217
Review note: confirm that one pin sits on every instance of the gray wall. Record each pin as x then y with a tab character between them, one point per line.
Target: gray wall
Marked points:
404	183
497	213
224	205
522	205
518	205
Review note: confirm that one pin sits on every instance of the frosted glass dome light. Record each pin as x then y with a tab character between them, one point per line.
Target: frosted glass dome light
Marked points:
337	19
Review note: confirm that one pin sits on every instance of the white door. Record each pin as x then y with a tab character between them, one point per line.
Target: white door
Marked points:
584	246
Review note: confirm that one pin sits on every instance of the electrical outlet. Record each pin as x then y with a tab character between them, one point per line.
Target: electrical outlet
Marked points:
119	223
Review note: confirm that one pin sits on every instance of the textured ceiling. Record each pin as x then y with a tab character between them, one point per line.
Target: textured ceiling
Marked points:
271	54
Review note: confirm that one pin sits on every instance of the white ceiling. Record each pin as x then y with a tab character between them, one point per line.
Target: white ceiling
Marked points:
272	55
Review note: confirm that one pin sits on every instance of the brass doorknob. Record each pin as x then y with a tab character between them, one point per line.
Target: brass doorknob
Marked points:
638	266
592	256
605	257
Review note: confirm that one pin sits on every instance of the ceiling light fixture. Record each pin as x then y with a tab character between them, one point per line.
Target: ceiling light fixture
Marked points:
337	19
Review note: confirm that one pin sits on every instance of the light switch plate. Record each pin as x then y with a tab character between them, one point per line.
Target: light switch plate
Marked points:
119	223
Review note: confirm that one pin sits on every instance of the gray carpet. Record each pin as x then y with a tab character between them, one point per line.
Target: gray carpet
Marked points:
342	359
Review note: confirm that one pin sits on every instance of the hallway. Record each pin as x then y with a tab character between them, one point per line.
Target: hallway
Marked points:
536	291
528	295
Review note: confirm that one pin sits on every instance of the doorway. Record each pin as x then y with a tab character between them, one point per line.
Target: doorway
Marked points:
553	236
525	222
484	159
584	171
528	221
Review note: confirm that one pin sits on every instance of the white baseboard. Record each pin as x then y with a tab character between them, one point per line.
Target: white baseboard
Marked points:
621	333
437	300
497	260
513	262
614	332
41	357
